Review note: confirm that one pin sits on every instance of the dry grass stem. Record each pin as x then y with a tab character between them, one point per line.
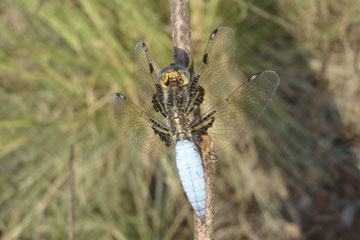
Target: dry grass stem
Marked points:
71	232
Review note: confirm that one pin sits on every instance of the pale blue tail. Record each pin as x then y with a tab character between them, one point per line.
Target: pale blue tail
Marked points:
191	172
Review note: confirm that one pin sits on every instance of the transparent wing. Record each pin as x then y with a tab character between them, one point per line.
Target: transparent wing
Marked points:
137	125
145	79
240	111
216	68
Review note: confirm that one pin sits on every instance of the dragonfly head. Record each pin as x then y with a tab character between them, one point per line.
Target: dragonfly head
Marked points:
174	75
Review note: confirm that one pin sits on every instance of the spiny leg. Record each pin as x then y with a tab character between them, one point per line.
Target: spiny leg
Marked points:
162	131
158	101
196	95
199	128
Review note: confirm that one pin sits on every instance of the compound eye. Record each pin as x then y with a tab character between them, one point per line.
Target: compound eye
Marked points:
184	79
164	79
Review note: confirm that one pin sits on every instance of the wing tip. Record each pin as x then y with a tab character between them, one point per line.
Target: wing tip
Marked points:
274	77
142	45
224	28
270	75
116	97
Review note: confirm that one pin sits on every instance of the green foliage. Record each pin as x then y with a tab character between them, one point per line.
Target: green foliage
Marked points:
59	62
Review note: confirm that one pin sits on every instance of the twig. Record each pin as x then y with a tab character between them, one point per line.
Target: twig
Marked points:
206	230
71	195
181	36
181	32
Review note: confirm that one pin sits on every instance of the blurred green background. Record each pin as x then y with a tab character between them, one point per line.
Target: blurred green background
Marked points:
295	176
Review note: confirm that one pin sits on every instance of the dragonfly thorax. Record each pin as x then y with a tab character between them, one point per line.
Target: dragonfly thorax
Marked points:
178	123
174	81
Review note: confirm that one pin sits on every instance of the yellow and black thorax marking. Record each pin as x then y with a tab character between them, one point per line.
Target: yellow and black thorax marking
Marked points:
176	98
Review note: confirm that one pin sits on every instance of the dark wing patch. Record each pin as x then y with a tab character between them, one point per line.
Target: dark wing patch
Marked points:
205	58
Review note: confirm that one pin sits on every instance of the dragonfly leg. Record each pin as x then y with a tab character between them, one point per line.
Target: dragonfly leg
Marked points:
196	99
200	127
162	131
158	101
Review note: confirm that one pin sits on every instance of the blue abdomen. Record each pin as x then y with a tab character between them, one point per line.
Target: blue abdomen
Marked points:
191	172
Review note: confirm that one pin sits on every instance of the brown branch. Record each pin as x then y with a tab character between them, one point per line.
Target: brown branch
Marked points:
181	32
206	230
71	232
181	37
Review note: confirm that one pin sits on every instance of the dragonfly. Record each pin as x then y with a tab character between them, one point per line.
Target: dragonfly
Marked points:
178	108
